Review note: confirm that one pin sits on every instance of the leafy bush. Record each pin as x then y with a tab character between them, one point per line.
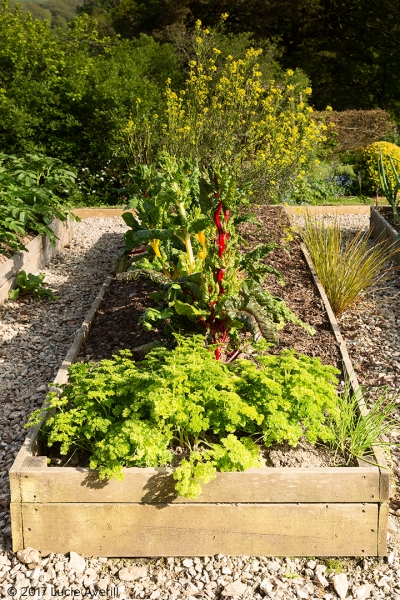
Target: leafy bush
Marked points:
227	114
346	266
34	190
31	285
321	186
188	225
366	164
68	93
135	414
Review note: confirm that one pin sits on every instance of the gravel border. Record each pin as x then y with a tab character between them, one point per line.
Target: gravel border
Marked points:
35	338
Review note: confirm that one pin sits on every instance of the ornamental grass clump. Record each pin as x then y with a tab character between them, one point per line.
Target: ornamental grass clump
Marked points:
357	435
346	265
128	414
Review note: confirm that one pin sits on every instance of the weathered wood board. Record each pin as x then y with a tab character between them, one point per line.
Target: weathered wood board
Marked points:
283	511
123	529
382	229
39	254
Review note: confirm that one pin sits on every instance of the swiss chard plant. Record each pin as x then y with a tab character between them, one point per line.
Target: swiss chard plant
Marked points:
135	414
183	238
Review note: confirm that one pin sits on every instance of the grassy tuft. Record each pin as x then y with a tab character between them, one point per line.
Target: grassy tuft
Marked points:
355	435
346	266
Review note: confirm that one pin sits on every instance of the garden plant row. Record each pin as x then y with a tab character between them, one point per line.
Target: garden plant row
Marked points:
167	452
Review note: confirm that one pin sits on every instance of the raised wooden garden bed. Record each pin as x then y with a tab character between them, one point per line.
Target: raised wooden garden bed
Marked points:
384	230
270	511
39	254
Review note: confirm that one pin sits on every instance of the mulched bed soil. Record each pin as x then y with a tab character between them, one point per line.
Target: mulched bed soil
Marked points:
116	325
387	213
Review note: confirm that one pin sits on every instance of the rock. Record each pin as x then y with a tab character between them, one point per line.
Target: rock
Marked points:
390	558
187	563
311	564
362	592
340	584
301	594
77	563
235	588
28	555
90	577
320	579
132	573
266	586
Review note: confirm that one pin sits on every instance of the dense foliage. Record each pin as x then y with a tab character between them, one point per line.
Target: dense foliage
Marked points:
366	164
229	114
68	94
348	48
187	222
135	414
34	191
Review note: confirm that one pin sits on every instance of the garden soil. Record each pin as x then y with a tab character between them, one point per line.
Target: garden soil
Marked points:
116	325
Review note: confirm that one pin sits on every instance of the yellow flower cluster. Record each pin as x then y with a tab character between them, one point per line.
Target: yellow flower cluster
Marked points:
366	164
228	114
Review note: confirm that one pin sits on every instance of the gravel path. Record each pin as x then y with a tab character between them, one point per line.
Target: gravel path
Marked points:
35	338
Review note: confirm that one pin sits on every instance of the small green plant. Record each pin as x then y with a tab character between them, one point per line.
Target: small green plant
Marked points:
334	565
33	285
390	185
134	414
346	266
356	435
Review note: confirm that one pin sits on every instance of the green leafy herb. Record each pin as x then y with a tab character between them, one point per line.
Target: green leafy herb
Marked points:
134	414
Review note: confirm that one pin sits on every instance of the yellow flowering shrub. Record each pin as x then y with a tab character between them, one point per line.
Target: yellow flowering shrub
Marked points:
227	114
366	164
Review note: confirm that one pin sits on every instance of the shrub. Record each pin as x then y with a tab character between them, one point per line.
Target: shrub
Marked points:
346	266
227	114
354	129
366	165
133	414
34	190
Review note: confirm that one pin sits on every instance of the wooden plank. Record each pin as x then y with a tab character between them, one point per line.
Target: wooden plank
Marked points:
378	454
327	210
382	229
17	526
156	485
202	529
39	253
382	529
86	213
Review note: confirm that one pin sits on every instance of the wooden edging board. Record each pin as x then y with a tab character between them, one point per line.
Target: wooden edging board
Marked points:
85	213
381	228
39	254
270	511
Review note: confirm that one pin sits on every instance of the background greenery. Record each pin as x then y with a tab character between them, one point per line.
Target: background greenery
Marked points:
71	73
